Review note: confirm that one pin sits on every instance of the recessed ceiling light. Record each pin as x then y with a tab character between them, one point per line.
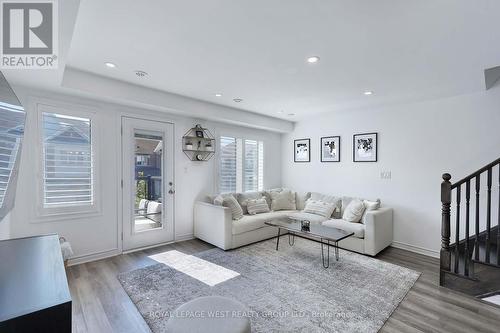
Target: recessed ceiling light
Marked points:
140	73
281	111
238	100
313	59
110	64
368	93
218	95
291	114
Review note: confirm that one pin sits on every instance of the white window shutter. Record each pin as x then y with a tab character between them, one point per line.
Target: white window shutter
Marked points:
67	161
227	165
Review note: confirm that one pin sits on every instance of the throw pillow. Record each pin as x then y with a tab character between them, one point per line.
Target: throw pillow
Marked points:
320	208
245	196
330	199
230	202
370	205
354	211
284	200
257	206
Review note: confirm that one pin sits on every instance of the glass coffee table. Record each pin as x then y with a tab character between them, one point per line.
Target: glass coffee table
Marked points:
327	236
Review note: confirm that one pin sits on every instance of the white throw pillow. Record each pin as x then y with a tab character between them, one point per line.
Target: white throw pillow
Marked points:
227	200
371	205
284	200
354	211
337	201
257	206
320	208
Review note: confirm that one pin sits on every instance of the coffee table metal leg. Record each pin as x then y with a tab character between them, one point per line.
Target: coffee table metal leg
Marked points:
278	239
323	253
291	238
337	251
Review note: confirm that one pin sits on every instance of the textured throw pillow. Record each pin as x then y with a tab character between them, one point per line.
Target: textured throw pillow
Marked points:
245	196
284	200
354	211
229	201
257	206
320	208
337	201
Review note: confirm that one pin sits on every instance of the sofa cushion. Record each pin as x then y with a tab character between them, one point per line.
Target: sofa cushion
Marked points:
337	201
252	222
257	206
300	199
354	211
357	228
284	200
244	197
319	207
313	218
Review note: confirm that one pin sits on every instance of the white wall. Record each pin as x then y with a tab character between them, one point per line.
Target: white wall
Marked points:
95	236
417	143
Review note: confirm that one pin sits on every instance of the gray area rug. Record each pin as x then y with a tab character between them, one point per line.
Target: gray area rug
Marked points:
285	291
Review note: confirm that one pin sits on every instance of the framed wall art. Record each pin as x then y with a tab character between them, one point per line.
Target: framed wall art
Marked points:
364	147
302	150
330	149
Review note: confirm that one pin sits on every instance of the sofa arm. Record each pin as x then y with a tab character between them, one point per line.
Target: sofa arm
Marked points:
378	230
213	224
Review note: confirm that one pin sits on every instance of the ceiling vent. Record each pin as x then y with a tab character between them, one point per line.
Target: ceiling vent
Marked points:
141	73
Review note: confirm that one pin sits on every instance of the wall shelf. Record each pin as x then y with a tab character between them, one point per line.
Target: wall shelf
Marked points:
198	144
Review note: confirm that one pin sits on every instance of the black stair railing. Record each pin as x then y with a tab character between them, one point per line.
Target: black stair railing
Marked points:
447	188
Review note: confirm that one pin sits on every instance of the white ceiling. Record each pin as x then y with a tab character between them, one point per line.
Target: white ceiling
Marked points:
403	50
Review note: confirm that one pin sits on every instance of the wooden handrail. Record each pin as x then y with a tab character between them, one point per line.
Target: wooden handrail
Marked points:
478	172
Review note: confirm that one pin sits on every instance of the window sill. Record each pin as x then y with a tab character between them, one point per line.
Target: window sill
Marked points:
48	215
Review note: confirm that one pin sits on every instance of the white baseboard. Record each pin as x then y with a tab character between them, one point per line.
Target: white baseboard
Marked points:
93	257
416	249
185	237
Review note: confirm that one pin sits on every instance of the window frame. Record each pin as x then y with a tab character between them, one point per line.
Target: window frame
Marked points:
240	165
74	209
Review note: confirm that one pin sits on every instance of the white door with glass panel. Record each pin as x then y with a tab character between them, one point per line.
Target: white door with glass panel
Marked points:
148	182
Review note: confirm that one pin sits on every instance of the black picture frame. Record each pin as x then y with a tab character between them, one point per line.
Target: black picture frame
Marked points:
374	143
321	148
308	144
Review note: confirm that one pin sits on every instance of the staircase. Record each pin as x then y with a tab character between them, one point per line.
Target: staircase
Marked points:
471	264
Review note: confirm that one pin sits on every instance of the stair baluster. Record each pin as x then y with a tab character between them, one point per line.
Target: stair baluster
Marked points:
457	231
467	209
488	219
476	241
498	220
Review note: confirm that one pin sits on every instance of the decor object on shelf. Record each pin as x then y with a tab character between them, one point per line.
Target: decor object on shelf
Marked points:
330	149
364	147
198	144
302	150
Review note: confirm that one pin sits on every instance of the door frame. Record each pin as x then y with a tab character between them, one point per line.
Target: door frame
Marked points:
169	228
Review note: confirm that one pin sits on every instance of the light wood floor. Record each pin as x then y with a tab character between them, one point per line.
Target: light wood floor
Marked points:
101	305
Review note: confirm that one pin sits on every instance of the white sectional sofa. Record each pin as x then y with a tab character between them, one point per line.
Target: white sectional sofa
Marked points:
214	224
